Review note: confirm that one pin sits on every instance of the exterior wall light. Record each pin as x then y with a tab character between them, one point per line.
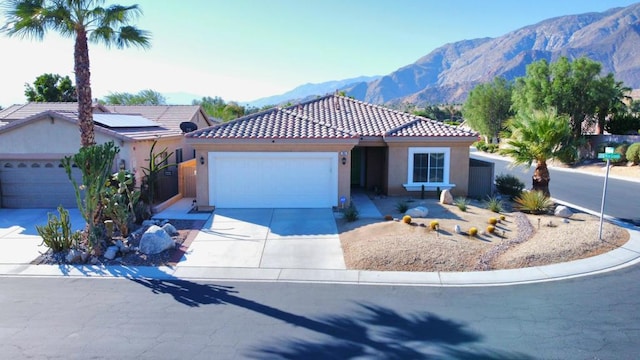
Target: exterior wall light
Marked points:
344	160
201	160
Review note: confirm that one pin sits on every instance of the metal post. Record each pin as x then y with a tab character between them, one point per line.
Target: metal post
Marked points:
604	193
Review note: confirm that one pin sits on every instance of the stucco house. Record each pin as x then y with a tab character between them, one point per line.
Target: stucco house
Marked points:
35	136
312	154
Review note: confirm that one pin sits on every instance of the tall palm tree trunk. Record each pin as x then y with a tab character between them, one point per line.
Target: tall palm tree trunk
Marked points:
83	86
541	178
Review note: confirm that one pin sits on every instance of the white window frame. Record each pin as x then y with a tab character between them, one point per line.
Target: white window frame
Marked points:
416	186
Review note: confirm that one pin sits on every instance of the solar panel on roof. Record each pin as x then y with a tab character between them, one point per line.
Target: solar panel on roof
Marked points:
121	121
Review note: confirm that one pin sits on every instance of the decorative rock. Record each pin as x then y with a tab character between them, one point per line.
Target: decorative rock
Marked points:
170	229
566	221
563	211
73	256
418	212
84	256
149	222
111	252
155	240
446	198
457	229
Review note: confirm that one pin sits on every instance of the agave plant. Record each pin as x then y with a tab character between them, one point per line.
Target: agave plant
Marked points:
534	202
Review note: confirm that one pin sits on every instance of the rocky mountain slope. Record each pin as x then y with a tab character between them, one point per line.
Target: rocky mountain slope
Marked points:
447	74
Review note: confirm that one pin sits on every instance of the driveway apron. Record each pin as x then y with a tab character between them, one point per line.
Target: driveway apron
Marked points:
268	238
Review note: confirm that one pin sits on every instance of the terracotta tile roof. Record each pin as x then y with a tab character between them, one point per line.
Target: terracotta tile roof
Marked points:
272	124
331	116
168	117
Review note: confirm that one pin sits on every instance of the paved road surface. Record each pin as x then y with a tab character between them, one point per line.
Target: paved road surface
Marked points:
585	190
57	318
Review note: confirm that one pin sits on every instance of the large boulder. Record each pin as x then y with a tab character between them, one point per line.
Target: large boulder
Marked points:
418	212
155	240
170	229
563	212
446	198
111	252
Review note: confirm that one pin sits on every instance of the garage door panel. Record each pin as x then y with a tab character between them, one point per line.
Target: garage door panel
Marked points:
253	180
39	187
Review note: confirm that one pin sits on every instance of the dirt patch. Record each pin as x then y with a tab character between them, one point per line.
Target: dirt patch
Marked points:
375	244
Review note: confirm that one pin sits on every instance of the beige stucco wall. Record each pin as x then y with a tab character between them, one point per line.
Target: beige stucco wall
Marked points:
398	163
52	140
202	178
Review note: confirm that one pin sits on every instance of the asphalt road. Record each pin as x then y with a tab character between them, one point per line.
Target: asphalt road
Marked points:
584	190
60	318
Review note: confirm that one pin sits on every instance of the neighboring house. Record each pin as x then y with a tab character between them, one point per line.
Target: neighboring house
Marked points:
311	154
36	136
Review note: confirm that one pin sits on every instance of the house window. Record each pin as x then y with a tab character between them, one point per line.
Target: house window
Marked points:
428	166
178	156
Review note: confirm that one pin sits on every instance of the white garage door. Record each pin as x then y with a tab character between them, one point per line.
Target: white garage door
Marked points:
273	179
35	184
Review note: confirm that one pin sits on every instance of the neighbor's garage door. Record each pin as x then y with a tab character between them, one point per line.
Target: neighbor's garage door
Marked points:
35	184
273	179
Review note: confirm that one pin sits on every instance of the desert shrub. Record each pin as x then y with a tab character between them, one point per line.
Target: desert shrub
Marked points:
509	185
473	231
388	217
461	203
633	153
351	213
406	219
492	221
494	204
491	229
402	206
434	225
622	150
534	202
56	234
481	145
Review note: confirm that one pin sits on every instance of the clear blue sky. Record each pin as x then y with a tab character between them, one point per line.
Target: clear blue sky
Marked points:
247	49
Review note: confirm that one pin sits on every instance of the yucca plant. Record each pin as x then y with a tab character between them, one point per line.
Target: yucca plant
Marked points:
494	204
533	202
402	206
461	203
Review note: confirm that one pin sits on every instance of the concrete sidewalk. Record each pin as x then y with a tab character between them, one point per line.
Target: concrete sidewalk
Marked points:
275	245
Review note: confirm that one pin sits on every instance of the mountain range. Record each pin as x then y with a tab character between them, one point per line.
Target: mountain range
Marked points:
448	73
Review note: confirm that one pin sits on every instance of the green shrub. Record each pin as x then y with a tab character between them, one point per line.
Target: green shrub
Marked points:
622	150
406	219
633	153
57	235
481	145
351	214
509	185
461	203
534	202
402	206
494	204
622	124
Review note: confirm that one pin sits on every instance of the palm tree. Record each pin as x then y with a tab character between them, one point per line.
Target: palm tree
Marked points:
84	20
538	136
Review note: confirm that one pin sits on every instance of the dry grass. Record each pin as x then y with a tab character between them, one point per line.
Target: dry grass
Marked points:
372	244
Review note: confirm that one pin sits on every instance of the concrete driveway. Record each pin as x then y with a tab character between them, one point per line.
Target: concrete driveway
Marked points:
268	238
18	235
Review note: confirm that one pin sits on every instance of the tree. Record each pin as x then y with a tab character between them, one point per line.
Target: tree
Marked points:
143	97
83	20
538	136
488	107
51	88
219	109
610	100
573	88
